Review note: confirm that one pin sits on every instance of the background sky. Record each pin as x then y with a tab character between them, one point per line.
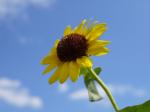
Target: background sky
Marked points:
28	29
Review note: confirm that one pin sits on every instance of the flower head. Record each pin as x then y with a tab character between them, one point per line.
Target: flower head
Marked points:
73	51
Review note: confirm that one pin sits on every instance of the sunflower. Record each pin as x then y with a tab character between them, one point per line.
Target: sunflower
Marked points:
74	49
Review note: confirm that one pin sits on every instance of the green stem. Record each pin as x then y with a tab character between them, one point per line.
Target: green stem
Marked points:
102	84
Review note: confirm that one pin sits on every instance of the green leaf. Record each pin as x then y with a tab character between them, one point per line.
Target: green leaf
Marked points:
83	71
91	87
92	90
145	107
97	70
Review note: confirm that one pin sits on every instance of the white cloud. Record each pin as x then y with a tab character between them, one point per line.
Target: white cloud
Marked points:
117	90
127	89
12	92
5	83
12	8
81	94
63	87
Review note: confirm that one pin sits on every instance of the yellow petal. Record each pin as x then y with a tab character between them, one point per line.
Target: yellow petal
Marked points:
91	25
49	59
56	75
64	73
53	51
52	56
85	61
98	51
96	32
84	31
52	60
56	42
49	68
67	30
46	60
88	27
74	70
97	43
79	28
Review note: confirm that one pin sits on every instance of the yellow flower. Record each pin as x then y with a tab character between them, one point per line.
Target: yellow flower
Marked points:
73	51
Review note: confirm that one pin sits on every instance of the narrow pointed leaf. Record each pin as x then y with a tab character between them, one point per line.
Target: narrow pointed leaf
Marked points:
97	70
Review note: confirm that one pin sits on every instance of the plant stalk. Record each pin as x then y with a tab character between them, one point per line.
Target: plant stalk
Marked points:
107	91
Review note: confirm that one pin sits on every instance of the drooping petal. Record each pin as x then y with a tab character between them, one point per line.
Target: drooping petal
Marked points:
67	30
64	74
49	68
98	51
85	61
52	55
96	32
74	70
46	60
56	42
49	59
97	43
52	61
56	75
53	51
79	28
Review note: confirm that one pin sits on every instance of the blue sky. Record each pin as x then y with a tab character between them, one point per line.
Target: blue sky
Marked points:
28	30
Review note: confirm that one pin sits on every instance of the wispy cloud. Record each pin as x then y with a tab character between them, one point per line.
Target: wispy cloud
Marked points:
27	41
119	89
12	92
12	8
81	94
116	89
63	87
24	40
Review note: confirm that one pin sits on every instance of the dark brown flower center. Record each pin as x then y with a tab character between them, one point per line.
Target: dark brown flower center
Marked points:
71	47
